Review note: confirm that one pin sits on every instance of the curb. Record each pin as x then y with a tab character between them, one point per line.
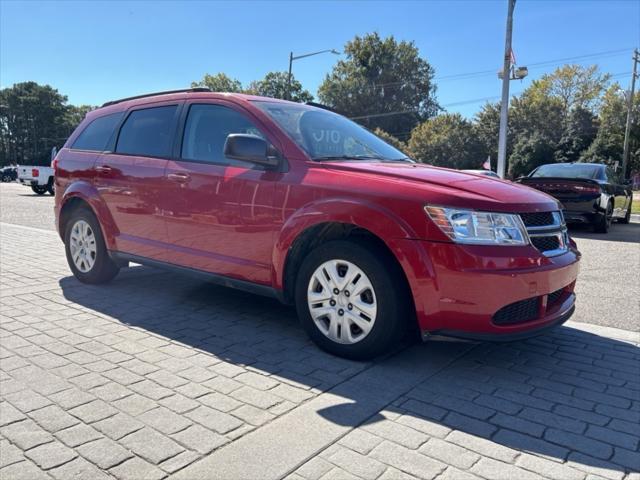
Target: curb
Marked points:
610	332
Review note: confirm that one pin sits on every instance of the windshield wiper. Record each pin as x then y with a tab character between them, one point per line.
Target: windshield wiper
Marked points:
348	157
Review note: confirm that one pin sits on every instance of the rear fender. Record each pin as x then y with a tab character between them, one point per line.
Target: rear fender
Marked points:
89	194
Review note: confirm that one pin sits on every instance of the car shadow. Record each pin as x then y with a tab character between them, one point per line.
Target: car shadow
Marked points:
619	232
566	395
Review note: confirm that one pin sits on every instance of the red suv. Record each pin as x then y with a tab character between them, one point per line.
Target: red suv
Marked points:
299	203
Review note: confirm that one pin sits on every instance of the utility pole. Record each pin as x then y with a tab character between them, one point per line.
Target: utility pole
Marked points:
627	130
504	106
289	77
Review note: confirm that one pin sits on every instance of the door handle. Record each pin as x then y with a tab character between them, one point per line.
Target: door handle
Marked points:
179	177
103	169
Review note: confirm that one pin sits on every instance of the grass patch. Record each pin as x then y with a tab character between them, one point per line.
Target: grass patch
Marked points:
635	206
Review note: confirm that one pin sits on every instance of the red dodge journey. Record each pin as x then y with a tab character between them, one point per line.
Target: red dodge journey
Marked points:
301	204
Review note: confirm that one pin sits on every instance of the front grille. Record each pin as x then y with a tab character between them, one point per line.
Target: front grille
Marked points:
553	297
518	312
545	244
547	231
537	219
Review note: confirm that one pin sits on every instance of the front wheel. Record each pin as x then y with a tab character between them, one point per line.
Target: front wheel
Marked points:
51	188
39	189
351	299
627	217
86	250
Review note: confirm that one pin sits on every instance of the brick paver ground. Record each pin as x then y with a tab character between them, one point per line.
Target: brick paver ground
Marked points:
153	374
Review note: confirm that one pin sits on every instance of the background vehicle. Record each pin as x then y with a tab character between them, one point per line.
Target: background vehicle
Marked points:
8	174
486	173
304	205
40	179
589	192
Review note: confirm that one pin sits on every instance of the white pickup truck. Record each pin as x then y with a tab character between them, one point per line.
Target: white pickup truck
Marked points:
39	178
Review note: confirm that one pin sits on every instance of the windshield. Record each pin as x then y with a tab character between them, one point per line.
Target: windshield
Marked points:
568	170
326	135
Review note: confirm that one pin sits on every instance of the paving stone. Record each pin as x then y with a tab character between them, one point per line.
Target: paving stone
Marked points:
293	394
167	379
483	446
93	411
179	461
397	433
452	473
627	458
395	474
254	416
118	426
165	420
549	468
151	445
9	414
360	441
26	434
151	390
613	437
111	391
200	439
518	424
27	400
78	435
51	455
600	468
193	390
138	469
407	460
23	471
315	468
71	398
520	441
179	403
134	404
470	425
9	454
224	403
449	453
53	418
490	468
338	474
579	443
213	419
356	463
222	384
424	409
105	453
255	397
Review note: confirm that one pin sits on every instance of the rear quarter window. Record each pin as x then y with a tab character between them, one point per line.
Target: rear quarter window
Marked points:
97	134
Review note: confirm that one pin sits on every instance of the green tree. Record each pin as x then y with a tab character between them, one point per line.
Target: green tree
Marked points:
33	118
382	83
487	128
609	141
574	86
219	82
391	140
579	132
529	152
275	85
447	140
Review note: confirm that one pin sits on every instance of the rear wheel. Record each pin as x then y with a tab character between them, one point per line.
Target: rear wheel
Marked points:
86	251
51	188
39	189
603	221
351	299
6	178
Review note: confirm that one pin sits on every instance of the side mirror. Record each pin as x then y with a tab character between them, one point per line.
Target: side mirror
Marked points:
250	148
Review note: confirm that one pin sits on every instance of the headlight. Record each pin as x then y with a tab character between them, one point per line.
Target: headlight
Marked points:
479	228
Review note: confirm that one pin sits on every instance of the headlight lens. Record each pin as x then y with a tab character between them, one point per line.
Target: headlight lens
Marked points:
479	228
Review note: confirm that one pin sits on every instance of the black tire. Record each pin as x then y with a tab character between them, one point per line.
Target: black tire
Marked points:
603	221
6	179
104	269
627	217
39	189
392	297
51	188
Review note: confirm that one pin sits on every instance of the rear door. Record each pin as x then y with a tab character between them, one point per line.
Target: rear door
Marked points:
222	218
619	191
131	178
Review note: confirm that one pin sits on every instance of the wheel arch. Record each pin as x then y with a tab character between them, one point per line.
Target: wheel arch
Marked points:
83	194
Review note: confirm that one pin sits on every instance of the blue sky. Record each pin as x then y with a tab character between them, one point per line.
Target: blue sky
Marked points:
96	51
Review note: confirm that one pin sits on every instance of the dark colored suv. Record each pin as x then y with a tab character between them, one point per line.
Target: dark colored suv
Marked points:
299	203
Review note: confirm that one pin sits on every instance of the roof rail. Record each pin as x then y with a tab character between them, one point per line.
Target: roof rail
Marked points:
194	89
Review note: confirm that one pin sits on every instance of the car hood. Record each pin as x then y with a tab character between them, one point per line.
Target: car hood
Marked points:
455	188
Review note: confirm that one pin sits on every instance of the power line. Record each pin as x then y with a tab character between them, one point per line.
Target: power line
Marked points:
461	76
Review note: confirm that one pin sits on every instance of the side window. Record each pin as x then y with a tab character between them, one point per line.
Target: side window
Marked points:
98	133
148	132
207	129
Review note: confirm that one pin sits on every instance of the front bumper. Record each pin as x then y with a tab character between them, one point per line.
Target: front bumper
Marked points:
459	289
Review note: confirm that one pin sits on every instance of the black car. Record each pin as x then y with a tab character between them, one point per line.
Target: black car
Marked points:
8	174
589	192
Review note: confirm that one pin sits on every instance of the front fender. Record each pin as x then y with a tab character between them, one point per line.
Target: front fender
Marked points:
382	223
89	194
